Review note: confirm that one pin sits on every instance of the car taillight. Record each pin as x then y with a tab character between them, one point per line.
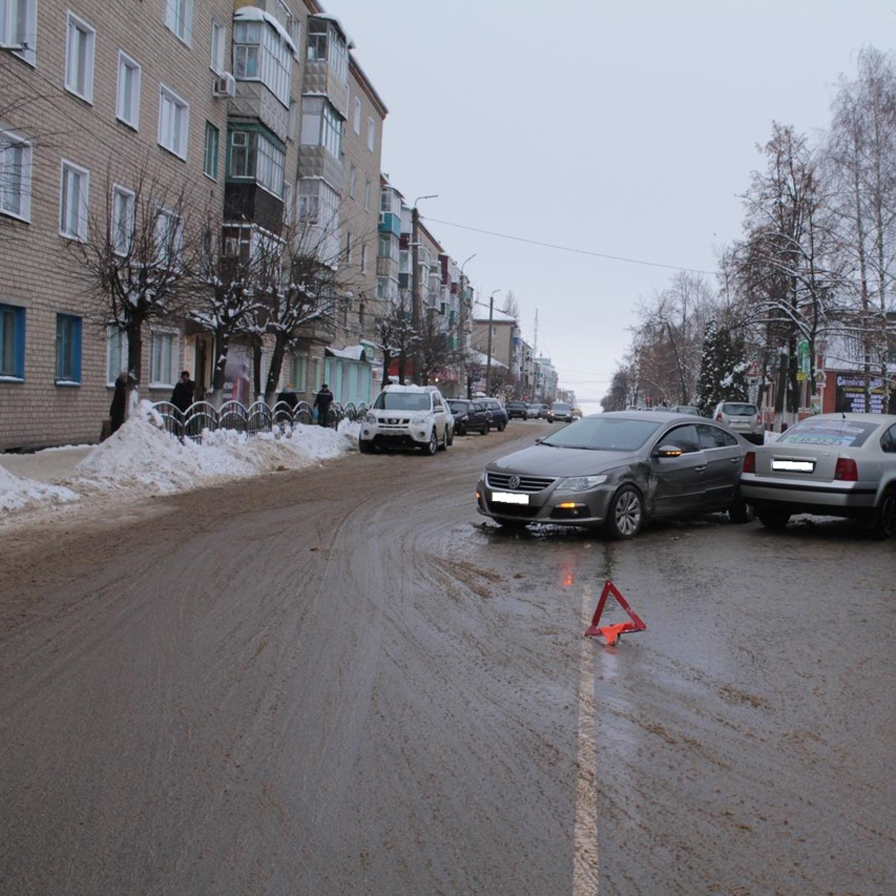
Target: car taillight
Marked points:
846	470
718	418
749	462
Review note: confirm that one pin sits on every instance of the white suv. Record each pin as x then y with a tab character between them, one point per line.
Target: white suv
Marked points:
407	417
743	417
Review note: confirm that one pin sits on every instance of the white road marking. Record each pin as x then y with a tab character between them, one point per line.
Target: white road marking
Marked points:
585	872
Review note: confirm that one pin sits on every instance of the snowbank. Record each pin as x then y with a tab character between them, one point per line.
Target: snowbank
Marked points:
141	459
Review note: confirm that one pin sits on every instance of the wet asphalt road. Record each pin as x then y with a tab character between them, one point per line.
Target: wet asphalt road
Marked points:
346	681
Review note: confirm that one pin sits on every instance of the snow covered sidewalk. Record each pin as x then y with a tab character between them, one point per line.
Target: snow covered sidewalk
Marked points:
141	460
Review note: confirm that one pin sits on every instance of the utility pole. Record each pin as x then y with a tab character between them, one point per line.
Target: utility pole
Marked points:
416	305
488	360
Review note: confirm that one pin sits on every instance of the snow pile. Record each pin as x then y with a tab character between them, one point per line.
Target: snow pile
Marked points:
19	494
142	459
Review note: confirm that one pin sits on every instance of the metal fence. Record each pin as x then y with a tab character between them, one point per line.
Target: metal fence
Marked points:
258	417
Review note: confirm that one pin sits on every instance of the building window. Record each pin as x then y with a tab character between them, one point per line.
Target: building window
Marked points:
319	218
73	201
299	372
179	18
371	134
212	139
263	53
169	238
326	44
348	248
15	175
218	48
321	125
353	181
162	359
129	74
18	27
356	121
174	122
116	354
12	342
253	155
68	349
79	50
367	193
363	258
122	231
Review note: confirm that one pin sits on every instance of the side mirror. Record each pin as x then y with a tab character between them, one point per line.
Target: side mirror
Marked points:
668	451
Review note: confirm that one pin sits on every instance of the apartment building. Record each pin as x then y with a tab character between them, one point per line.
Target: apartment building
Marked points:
200	126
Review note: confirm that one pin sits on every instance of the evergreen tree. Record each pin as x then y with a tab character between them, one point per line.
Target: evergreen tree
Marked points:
722	368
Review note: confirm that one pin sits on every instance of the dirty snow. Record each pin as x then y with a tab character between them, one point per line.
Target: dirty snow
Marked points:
141	460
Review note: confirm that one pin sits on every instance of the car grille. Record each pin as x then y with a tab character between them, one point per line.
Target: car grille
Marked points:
525	484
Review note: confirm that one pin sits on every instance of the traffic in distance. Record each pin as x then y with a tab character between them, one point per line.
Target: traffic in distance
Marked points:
618	471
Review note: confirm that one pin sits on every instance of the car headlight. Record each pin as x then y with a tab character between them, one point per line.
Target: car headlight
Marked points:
582	483
370	418
417	419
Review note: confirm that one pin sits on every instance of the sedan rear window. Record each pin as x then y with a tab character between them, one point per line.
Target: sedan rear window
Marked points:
838	433
603	434
737	409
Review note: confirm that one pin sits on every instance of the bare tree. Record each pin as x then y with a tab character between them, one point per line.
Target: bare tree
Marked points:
134	258
396	335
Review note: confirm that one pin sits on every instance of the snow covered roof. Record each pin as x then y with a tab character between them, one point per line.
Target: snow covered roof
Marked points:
351	352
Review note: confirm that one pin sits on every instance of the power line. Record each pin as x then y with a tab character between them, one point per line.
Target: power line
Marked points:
520	239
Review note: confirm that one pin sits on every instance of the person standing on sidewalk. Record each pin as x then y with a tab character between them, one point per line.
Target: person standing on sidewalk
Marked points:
322	402
182	396
118	408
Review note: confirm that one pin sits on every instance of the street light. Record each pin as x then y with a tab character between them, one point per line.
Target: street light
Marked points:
488	360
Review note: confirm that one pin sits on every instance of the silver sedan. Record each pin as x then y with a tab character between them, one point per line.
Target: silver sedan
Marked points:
617	470
832	465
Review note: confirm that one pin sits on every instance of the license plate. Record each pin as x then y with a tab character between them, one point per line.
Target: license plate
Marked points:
794	466
509	498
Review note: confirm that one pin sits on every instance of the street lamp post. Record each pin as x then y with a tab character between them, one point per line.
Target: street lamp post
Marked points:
416	309
488	360
462	345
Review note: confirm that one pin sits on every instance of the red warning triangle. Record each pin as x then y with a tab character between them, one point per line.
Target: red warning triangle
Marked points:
611	633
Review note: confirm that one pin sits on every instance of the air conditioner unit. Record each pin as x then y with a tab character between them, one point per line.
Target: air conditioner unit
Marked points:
224	86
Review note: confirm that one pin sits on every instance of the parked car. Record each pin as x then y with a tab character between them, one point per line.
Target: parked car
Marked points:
683	409
538	411
560	412
743	417
470	416
517	409
499	413
831	464
407	417
617	471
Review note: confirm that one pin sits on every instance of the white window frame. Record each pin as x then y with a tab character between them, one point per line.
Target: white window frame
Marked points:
18	27
116	351
163	358
179	19
174	122
218	46
207	160
371	133
356	119
130	76
74	198
16	155
169	237
123	219
80	51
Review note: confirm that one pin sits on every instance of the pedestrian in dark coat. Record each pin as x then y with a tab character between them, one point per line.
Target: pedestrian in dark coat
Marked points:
182	396
118	408
322	402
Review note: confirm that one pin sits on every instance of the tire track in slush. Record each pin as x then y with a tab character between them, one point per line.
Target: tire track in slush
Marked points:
586	867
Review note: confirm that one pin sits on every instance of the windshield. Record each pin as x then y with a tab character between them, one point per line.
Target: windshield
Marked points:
842	433
402	401
603	434
560	406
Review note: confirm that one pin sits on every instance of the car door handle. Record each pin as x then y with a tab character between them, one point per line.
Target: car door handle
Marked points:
701	468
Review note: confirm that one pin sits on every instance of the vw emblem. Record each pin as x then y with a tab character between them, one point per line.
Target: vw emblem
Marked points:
513	482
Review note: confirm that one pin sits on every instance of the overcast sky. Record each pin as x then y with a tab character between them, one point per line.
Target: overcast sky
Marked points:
557	134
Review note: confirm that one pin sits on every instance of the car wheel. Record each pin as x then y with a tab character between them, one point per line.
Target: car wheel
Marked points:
501	426
626	513
884	524
773	519
443	445
432	445
461	430
365	446
449	436
740	511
